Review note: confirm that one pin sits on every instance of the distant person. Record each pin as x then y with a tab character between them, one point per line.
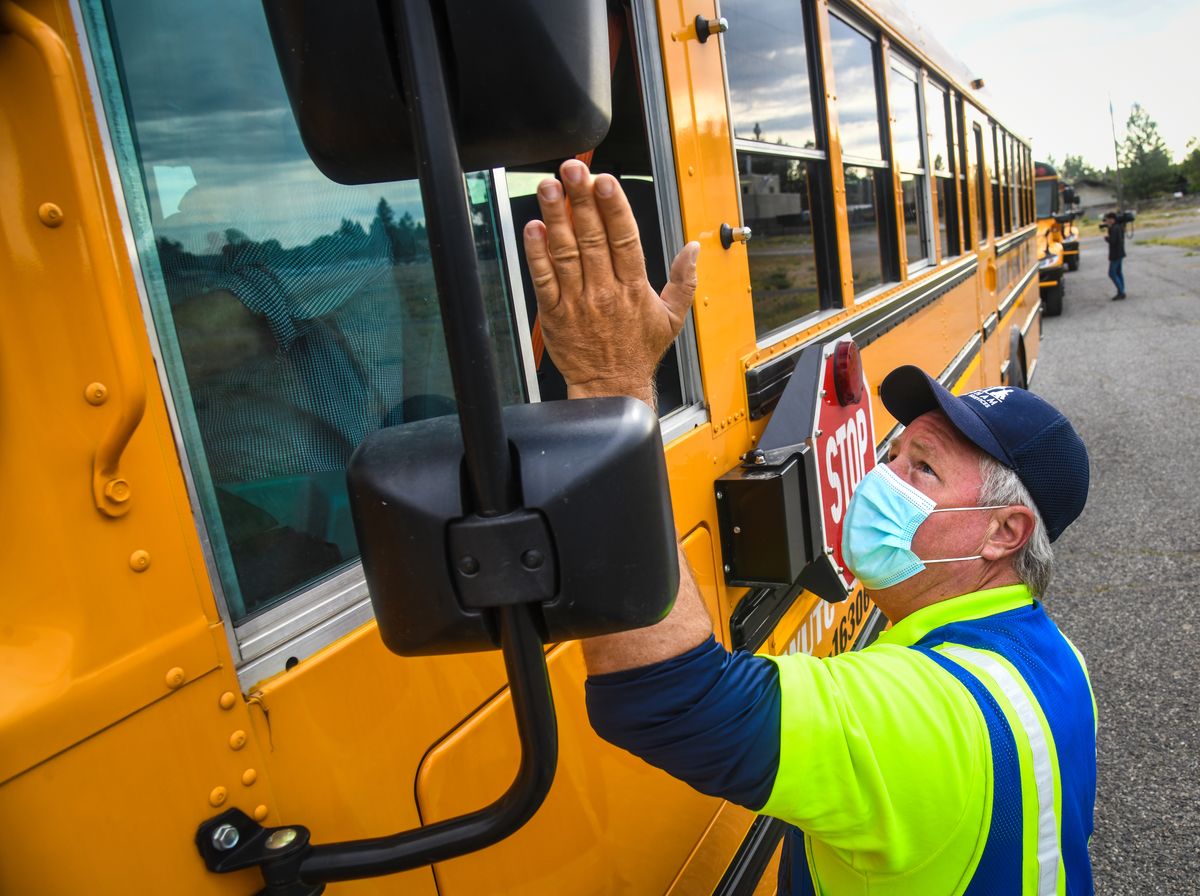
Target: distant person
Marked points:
1115	236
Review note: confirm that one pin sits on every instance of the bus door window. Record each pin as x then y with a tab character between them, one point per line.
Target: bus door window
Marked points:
867	173
781	162
909	152
626	153
941	153
294	315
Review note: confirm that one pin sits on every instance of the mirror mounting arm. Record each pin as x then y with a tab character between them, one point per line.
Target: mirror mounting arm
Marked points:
233	841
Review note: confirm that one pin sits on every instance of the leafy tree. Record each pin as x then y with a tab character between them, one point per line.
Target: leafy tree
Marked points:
1144	157
1074	168
1189	168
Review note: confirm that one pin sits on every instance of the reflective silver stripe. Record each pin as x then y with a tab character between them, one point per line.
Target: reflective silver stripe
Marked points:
1043	773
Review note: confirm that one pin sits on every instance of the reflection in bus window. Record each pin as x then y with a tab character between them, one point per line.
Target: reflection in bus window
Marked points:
857	96
964	168
907	149
305	312
864	204
866	170
771	101
783	269
778	160
981	184
941	152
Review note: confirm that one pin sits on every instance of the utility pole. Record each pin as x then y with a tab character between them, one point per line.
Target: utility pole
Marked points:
1116	155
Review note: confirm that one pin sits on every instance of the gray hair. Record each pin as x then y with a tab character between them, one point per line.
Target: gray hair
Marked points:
1034	562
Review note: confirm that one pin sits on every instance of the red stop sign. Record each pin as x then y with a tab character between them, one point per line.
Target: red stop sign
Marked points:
844	440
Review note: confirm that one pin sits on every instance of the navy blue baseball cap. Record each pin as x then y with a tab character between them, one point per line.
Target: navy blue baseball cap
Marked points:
1019	429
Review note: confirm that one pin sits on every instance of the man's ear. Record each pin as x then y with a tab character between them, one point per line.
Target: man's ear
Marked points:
1011	527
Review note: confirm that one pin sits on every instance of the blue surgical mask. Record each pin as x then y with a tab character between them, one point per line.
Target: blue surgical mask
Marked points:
881	520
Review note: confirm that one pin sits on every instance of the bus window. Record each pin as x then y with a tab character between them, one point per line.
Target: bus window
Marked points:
964	183
909	153
866	171
294	315
1010	215
993	162
941	151
981	184
627	154
1014	183
779	159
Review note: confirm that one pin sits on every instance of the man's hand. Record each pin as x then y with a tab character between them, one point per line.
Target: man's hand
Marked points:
604	326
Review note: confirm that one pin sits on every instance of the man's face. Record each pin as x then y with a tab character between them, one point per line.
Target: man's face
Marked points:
937	460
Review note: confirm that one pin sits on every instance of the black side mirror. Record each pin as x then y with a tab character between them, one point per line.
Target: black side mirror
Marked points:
528	80
586	550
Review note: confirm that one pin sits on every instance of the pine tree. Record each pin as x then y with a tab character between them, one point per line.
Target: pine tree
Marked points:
1145	159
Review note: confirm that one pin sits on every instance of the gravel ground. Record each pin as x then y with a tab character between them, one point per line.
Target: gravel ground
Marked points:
1128	375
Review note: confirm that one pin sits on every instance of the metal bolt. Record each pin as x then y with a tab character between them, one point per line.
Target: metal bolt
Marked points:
281	838
50	214
737	530
225	837
760	456
532	559
96	393
468	565
720	495
117	491
728	568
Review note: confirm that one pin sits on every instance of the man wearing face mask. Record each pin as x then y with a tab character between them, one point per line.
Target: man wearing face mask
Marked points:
954	755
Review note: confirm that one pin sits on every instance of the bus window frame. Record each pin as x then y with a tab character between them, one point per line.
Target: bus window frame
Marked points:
954	236
888	227
962	145
912	72
983	220
652	81
826	251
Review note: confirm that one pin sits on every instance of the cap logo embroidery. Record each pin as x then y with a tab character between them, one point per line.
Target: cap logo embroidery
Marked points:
990	397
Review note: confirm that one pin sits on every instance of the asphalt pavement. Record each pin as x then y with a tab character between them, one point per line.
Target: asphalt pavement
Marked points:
1127	573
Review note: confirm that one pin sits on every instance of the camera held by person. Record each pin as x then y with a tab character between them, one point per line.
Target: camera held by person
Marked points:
1123	218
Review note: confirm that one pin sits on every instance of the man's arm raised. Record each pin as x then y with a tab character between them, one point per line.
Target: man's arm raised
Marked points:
607	330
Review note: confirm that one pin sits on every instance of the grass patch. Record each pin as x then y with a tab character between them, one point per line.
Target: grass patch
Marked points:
1180	242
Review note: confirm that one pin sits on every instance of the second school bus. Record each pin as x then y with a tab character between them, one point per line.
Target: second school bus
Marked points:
199	327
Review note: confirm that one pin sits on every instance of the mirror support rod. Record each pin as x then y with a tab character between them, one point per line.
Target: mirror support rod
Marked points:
290	865
534	709
455	265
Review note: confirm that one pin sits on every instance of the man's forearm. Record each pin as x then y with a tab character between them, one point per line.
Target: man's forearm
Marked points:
686	626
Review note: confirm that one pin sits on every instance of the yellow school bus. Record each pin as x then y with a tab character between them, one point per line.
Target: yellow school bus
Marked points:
1057	238
1068	202
213	294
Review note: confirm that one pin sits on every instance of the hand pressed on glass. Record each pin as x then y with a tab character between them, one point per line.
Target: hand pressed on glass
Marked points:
605	327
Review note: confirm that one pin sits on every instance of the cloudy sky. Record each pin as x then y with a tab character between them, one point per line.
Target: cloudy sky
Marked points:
1028	51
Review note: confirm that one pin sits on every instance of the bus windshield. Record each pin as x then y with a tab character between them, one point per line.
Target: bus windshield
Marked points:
1047	192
